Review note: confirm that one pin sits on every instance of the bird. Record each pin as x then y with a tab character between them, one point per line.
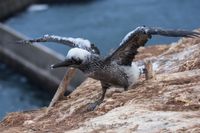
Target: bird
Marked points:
116	69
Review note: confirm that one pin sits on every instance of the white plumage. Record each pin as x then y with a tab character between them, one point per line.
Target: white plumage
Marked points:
78	53
82	43
132	72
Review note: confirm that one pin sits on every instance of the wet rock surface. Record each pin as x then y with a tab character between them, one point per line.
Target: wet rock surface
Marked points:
168	103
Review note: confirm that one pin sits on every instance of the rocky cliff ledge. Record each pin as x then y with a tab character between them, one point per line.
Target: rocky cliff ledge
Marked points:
168	103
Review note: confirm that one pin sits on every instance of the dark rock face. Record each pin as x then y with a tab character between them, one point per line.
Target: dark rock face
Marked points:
65	1
168	103
11	7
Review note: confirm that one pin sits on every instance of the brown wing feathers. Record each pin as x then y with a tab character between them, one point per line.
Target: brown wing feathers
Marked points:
127	50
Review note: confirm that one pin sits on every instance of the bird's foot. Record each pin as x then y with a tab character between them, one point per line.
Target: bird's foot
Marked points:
92	106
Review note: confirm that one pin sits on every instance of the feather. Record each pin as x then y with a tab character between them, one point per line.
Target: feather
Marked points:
127	50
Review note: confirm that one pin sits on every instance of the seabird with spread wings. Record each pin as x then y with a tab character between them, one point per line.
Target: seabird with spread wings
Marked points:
117	69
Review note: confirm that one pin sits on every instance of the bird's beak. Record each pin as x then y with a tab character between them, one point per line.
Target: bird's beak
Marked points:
65	63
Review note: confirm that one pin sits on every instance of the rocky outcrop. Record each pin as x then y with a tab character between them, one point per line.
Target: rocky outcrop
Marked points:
11	7
64	1
168	103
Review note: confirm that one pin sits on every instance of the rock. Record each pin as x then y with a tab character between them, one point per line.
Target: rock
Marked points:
12	7
169	103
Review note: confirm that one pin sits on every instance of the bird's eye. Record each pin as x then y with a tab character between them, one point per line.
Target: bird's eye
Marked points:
73	59
76	61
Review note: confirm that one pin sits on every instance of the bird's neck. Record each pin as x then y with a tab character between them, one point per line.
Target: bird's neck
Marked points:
91	65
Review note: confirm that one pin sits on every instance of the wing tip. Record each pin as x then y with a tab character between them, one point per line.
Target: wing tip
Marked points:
193	34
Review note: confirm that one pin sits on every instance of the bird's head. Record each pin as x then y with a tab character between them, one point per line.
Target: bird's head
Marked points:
74	58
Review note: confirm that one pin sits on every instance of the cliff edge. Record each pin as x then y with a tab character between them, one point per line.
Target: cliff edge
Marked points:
170	102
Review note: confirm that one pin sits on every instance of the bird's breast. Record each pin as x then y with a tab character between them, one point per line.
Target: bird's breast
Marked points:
114	74
110	74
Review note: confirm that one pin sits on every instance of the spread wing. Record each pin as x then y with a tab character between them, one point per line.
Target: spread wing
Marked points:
69	41
127	50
